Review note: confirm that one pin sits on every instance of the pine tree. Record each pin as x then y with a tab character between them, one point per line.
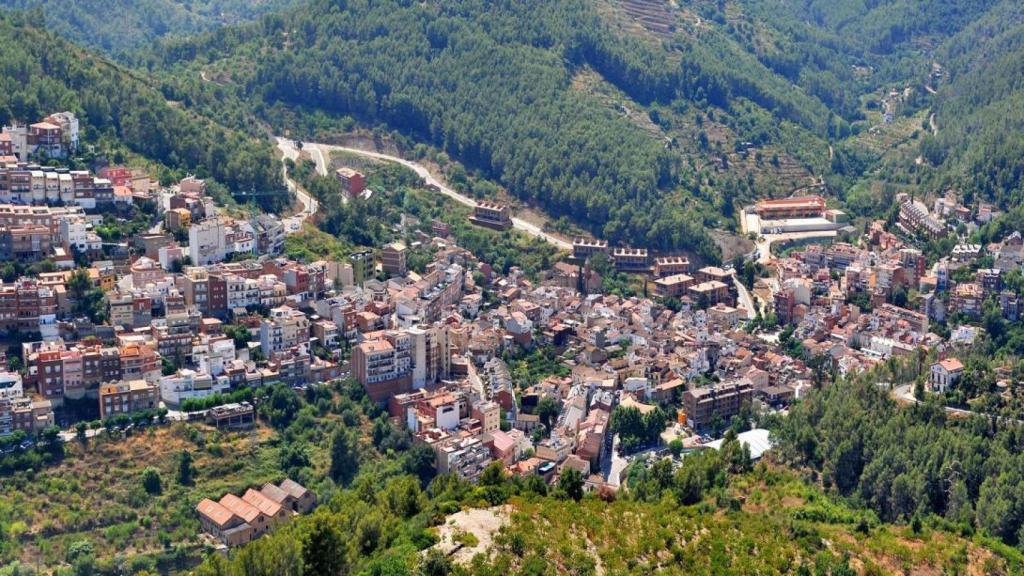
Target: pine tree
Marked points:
324	550
344	458
185	468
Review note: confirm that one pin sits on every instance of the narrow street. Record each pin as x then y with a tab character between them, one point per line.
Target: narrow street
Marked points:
743	296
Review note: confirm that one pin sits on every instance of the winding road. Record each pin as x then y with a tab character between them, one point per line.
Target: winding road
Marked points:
317	151
293	224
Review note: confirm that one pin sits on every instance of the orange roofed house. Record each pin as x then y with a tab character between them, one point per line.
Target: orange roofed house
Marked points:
223	524
252	515
290	495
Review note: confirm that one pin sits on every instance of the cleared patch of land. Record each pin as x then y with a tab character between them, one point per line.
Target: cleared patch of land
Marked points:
479	523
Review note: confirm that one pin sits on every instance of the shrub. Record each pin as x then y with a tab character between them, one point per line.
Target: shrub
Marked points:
151	481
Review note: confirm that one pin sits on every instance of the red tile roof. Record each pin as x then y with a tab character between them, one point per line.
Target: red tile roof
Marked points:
240	507
217	513
266	505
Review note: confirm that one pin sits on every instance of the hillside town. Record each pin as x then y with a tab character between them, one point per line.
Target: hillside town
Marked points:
479	366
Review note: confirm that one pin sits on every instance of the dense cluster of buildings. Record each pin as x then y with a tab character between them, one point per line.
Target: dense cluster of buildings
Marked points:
435	345
427	344
862	304
945	215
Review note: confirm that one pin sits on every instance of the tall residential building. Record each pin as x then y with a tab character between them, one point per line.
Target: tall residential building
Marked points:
353	183
398	361
207	242
393	259
723	401
284	328
23	302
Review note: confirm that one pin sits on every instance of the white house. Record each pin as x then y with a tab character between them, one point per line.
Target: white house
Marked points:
945	373
186	384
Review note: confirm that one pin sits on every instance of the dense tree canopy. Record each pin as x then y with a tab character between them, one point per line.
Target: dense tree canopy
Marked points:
120	26
41	74
914	461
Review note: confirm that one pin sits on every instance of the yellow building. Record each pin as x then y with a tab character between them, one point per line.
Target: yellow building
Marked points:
177	219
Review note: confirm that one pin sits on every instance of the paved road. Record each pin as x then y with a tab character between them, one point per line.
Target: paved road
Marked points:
321	161
905	393
310	206
745	301
617	465
317	151
764	242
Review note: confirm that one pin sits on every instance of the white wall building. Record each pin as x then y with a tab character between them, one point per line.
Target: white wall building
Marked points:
188	384
10	386
207	242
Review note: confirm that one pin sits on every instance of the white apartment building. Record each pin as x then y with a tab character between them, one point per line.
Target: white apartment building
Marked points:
10	386
207	242
212	356
242	292
188	384
75	233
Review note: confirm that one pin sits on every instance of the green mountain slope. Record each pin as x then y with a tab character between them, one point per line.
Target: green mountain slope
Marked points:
121	26
850	54
760	522
980	110
40	74
645	121
497	85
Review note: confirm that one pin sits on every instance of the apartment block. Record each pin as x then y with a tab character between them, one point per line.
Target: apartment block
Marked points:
284	328
673	286
353	183
702	405
671	265
583	248
129	396
492	215
393	259
631	259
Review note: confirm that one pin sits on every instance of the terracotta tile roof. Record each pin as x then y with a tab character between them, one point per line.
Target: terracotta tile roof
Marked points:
240	507
266	505
951	364
274	493
217	513
294	488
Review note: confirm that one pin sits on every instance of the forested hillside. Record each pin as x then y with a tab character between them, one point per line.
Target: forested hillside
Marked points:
644	138
643	133
981	109
122	26
907	463
41	74
960	61
715	515
506	88
875	28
